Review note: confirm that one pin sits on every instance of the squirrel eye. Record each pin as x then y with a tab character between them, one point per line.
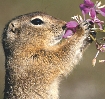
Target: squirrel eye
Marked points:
37	21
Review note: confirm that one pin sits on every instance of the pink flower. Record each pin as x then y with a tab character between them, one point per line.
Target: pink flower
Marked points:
99	9
71	29
71	26
101	48
88	7
97	21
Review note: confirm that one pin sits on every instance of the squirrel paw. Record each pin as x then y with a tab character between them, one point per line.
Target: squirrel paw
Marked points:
86	26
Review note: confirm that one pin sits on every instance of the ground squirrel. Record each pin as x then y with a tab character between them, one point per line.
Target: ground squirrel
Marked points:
37	55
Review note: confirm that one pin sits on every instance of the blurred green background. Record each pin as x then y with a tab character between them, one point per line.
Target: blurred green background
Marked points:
86	81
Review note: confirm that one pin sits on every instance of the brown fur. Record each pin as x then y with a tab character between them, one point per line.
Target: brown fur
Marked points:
35	61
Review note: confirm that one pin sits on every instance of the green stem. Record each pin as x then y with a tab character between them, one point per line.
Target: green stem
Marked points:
94	39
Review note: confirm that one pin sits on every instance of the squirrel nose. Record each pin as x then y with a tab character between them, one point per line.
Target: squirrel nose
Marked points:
64	27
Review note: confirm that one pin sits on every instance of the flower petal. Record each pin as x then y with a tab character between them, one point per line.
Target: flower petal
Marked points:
103	48
71	24
88	3
84	8
92	13
83	15
100	25
98	22
102	11
68	33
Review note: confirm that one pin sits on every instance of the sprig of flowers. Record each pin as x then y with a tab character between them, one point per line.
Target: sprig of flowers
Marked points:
71	26
88	7
92	9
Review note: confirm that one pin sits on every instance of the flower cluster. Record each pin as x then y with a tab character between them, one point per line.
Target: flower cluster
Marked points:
88	7
92	9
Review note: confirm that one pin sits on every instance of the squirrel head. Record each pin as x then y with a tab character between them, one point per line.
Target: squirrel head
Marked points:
35	29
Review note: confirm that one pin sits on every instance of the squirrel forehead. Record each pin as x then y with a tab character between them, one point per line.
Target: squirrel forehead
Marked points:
34	15
24	21
21	25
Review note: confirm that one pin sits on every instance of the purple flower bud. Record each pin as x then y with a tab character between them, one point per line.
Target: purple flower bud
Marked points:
86	7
